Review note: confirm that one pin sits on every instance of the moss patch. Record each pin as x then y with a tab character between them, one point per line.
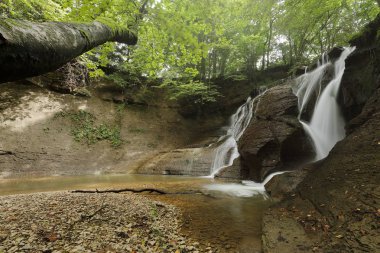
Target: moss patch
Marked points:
85	130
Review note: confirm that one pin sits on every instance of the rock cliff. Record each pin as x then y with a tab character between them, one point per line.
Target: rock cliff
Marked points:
336	206
274	140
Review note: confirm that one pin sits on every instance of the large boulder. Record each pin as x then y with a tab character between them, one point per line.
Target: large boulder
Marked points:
274	140
336	208
362	75
231	172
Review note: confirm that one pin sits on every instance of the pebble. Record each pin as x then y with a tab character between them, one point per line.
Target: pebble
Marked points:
65	222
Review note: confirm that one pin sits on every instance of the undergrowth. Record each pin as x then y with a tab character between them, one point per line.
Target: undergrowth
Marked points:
86	130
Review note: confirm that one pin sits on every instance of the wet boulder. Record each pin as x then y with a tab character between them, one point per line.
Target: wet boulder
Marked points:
230	172
274	140
362	74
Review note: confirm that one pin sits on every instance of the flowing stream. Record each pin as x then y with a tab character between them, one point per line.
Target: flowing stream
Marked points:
227	152
326	126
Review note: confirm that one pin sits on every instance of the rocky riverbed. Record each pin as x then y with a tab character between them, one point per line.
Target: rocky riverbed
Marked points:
77	222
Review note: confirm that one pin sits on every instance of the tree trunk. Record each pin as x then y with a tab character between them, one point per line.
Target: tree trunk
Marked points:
223	63
269	45
214	63
29	49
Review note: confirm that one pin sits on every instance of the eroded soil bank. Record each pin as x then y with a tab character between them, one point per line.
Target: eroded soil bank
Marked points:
38	133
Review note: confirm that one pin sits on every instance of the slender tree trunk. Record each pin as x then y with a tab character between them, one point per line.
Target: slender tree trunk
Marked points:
202	64
264	54
223	63
263	62
214	63
320	40
209	67
203	69
250	71
29	49
290	49
269	40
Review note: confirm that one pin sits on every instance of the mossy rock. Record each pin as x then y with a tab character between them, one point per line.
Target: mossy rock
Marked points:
369	36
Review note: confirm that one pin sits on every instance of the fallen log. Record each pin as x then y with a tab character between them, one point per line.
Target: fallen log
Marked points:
29	48
150	190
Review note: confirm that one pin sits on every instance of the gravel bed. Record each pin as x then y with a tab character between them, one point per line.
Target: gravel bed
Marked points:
67	222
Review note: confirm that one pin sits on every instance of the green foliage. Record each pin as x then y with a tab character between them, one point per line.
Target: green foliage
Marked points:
125	79
85	129
196	41
118	78
32	9
195	91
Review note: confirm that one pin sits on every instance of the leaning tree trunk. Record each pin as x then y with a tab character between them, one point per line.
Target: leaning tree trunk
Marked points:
29	49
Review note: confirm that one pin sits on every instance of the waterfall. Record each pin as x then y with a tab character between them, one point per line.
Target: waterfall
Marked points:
326	126
308	83
227	151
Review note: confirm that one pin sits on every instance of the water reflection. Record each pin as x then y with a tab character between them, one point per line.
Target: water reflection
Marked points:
219	217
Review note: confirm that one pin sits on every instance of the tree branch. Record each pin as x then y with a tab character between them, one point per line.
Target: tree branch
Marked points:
29	48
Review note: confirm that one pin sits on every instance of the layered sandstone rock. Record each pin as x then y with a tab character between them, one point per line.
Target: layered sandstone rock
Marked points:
336	206
274	140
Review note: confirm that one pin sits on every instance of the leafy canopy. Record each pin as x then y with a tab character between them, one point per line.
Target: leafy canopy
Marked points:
187	43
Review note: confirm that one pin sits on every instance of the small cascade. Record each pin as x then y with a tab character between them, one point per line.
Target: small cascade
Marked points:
309	83
227	151
245	189
326	126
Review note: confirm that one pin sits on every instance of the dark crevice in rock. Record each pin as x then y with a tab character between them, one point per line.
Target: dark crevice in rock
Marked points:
2	39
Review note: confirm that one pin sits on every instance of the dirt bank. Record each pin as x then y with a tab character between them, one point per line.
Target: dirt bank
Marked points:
37	126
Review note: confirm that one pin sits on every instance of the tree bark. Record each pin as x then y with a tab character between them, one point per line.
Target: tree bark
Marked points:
269	45
29	49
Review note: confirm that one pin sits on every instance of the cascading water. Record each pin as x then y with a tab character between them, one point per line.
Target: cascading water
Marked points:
308	83
326	126
227	152
245	189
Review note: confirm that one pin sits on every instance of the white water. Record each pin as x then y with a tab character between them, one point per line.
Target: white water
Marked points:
309	83
326	126
245	189
227	152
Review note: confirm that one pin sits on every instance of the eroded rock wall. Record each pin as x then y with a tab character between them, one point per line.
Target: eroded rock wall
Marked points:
36	133
274	139
336	206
